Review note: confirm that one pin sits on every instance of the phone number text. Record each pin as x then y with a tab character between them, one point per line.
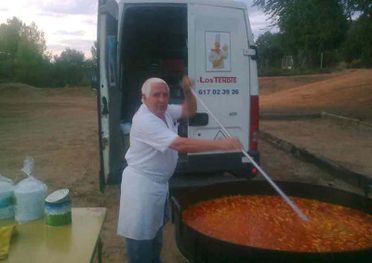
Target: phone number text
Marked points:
218	91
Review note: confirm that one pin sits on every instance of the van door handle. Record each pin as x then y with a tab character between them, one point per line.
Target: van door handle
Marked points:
251	52
199	119
105	107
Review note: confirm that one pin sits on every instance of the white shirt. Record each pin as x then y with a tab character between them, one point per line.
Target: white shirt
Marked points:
151	163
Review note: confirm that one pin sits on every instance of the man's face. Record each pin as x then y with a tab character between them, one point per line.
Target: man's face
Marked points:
157	101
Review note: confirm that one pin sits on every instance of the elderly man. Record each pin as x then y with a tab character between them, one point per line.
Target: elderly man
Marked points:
152	159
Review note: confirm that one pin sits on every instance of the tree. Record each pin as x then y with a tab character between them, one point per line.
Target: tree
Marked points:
10	34
71	56
277	8
357	49
92	66
352	7
69	67
30	61
93	51
308	27
23	49
23	58
9	38
270	51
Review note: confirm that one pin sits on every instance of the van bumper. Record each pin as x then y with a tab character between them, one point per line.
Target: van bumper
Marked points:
211	163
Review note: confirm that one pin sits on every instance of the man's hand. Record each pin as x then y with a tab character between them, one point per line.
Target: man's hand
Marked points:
231	144
189	105
189	145
186	84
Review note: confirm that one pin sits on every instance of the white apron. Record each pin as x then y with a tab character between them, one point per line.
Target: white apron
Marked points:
144	187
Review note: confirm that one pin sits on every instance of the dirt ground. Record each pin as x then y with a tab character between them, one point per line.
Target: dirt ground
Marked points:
269	85
347	93
347	145
58	128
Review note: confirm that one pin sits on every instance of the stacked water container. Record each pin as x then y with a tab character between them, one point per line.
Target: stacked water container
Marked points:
30	194
6	198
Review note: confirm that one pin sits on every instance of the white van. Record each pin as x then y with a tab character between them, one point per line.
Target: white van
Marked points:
211	41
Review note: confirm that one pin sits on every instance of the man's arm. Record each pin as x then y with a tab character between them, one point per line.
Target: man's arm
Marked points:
188	145
189	105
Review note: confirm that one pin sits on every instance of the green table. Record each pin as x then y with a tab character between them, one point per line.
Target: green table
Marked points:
78	242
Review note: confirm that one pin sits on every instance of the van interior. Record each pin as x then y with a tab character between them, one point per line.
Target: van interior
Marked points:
153	44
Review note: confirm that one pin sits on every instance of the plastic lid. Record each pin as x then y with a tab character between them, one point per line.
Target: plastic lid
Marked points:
30	185
58	196
6	187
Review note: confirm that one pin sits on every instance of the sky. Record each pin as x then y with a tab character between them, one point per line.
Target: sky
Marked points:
73	23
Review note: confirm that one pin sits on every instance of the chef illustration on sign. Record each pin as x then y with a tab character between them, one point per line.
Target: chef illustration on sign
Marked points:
217	55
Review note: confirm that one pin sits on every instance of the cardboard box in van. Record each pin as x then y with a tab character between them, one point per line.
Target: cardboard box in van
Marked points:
212	42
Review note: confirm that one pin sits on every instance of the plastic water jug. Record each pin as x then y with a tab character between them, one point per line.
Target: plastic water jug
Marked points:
29	194
6	198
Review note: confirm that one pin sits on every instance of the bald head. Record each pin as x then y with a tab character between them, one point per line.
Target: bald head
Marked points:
155	95
146	87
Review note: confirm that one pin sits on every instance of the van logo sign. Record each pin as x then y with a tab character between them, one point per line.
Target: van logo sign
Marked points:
217	48
224	80
219	135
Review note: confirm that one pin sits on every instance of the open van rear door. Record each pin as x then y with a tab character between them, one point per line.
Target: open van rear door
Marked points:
218	43
107	80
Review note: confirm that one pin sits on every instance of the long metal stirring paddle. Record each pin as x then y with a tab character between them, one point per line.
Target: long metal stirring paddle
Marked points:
280	192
